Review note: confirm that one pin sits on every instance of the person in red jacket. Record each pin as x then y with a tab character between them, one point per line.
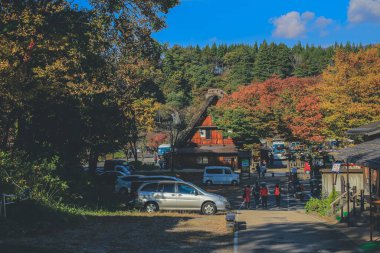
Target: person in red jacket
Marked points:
247	196
264	196
277	194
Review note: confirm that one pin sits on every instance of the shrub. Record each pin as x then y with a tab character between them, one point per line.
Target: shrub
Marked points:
321	206
18	174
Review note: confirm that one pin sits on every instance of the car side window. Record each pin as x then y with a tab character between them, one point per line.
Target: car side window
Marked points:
150	187
185	189
168	188
214	171
226	171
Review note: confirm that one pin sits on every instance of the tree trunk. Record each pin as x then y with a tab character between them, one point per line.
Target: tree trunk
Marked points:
93	161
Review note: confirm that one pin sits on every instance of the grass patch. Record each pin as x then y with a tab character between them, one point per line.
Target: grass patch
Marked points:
370	247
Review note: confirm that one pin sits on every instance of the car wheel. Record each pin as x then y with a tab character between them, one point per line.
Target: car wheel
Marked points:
123	191
209	208
208	182
234	183
151	207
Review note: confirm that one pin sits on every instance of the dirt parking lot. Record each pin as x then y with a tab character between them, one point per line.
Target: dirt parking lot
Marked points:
137	231
134	232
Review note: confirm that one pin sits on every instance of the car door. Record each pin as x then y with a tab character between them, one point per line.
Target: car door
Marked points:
219	176
187	197
227	177
166	196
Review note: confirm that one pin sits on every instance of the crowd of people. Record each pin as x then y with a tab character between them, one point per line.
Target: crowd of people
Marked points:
259	194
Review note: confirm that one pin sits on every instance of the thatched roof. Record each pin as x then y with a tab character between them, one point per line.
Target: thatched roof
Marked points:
212	97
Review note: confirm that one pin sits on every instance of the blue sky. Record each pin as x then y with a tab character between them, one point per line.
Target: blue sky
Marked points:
320	22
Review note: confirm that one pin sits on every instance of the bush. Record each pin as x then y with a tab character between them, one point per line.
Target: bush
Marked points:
18	174
321	206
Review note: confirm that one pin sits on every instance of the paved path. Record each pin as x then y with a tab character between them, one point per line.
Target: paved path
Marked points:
286	229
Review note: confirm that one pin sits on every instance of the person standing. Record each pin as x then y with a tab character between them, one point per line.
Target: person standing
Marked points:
256	194
264	196
247	195
161	162
263	169
277	195
155	158
258	170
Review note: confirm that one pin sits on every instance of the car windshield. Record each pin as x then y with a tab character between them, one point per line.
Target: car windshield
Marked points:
197	188
185	189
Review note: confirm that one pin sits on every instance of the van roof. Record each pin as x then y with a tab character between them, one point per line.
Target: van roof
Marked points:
217	167
164	146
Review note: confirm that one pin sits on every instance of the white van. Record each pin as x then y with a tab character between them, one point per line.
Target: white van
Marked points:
220	175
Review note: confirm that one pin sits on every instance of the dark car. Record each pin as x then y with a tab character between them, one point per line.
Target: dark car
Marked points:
110	165
109	177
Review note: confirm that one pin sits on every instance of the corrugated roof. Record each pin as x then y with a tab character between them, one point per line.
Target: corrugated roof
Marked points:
365	154
368	130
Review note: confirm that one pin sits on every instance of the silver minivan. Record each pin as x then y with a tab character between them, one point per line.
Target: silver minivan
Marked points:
220	175
172	195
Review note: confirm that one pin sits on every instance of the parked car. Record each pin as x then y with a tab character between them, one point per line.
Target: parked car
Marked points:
123	184
137	183
110	165
123	169
220	175
178	195
110	177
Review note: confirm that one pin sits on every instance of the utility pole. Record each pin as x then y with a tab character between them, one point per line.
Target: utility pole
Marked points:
348	194
370	206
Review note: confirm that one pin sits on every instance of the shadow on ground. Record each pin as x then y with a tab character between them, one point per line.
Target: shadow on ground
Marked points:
181	233
294	237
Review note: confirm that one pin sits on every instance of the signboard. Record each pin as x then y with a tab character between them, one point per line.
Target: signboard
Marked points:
336	167
245	163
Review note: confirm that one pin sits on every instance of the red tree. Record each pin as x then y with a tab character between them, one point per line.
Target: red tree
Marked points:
156	139
279	106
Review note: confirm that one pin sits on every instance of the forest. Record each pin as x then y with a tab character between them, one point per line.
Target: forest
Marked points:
189	71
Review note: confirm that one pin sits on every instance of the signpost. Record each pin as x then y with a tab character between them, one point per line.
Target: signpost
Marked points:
245	167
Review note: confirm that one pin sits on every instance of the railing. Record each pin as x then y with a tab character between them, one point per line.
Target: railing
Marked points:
338	200
8	199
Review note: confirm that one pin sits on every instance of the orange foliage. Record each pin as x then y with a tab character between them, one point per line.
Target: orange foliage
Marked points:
281	106
156	139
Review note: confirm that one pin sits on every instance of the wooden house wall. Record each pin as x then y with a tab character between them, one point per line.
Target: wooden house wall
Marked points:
216	135
191	161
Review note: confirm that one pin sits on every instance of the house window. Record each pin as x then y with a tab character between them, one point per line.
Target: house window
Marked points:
208	134
202	160
202	133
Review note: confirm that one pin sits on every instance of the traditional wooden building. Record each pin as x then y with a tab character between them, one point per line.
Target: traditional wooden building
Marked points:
203	144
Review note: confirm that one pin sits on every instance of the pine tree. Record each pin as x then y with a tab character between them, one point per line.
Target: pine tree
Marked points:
261	70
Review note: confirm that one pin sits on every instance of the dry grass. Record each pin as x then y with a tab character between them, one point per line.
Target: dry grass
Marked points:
133	232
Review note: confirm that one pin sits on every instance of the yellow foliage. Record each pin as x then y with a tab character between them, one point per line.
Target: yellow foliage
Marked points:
350	90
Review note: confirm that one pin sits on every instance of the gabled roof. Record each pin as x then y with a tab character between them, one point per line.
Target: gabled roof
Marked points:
212	97
196	120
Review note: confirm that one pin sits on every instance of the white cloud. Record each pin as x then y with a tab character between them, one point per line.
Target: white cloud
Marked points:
291	25
364	11
294	24
322	22
308	15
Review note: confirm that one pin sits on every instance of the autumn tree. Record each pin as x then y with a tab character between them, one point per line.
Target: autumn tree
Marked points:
350	90
275	107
